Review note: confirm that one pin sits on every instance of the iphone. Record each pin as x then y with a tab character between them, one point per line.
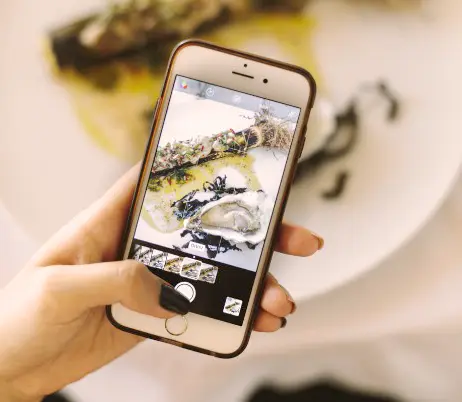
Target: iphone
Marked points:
228	130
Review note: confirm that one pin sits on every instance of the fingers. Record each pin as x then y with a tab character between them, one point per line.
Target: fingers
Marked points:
107	217
79	288
276	300
93	235
298	241
275	305
267	322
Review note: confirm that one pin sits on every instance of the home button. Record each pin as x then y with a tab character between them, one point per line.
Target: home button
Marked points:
177	325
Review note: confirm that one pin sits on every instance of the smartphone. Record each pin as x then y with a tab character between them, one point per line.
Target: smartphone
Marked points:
228	130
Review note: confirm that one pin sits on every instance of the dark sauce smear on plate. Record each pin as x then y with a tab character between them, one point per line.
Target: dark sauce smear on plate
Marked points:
343	140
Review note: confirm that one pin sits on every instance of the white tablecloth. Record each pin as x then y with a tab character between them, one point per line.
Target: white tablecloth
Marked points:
398	328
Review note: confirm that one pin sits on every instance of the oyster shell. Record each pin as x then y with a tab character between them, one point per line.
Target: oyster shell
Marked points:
238	218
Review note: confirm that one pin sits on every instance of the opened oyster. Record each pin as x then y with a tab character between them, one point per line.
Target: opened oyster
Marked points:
239	218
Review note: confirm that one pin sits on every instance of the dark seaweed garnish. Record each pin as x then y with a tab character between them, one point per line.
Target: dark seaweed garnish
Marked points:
339	186
219	187
251	246
188	206
395	106
345	137
345	134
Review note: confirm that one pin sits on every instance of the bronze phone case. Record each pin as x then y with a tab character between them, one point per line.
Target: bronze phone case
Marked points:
277	213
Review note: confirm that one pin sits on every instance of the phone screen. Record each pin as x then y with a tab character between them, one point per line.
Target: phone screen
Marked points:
211	194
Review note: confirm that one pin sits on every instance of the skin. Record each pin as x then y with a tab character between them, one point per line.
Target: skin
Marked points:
53	326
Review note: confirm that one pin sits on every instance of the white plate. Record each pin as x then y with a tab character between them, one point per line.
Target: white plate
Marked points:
400	173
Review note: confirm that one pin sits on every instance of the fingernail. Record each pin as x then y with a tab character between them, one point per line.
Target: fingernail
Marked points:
173	301
283	322
320	240
290	299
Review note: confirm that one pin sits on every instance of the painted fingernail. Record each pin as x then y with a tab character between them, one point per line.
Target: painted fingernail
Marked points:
173	301
290	299
283	322
320	240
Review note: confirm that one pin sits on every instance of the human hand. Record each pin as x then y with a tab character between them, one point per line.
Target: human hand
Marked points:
53	325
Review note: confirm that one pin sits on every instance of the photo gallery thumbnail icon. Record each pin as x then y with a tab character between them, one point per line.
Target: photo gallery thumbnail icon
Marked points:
186	267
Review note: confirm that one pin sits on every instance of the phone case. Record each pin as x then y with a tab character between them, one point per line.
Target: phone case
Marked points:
266	259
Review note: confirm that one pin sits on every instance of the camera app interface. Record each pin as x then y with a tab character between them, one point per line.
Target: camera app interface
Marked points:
211	194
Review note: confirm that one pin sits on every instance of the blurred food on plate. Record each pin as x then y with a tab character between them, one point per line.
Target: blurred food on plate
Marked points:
112	64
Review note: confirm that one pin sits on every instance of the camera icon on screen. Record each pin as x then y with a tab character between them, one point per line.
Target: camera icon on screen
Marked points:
210	92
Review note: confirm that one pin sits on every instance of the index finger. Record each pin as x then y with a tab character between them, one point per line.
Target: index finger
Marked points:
94	234
298	241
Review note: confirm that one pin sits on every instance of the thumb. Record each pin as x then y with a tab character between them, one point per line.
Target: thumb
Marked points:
127	282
